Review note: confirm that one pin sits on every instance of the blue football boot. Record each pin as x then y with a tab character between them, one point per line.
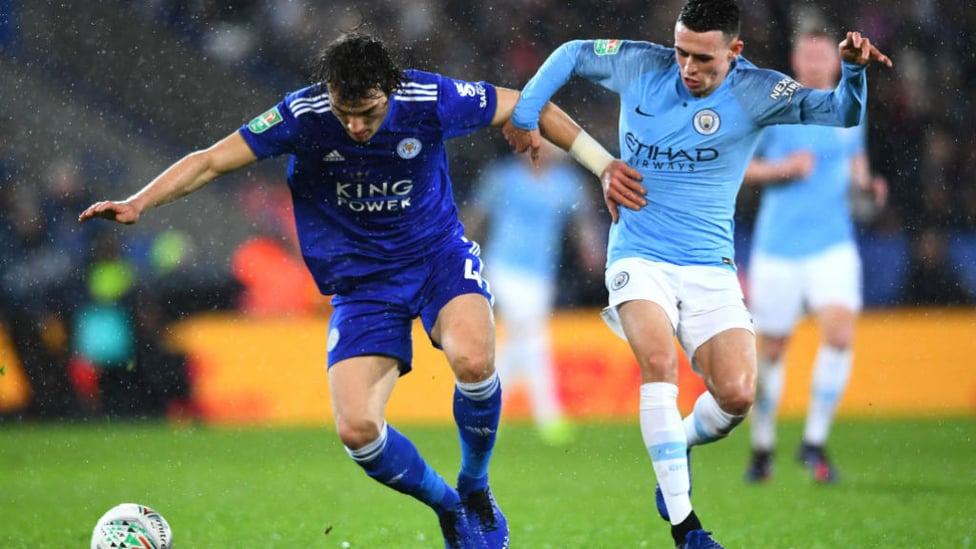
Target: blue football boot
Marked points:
699	539
486	518
459	530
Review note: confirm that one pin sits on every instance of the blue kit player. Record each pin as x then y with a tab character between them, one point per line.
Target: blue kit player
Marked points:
379	230
804	257
690	118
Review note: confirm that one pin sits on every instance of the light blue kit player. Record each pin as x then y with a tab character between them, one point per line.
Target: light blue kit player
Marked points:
379	229
804	258
690	117
524	213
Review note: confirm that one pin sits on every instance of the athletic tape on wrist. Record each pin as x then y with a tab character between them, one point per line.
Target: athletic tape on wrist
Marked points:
588	152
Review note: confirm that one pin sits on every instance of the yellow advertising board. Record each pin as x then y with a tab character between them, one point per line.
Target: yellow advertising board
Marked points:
908	362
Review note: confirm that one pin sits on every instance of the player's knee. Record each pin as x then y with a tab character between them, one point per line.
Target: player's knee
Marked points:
839	339
356	433
771	347
657	366
473	366
736	399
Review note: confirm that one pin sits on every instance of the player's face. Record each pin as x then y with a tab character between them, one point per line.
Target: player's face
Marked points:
816	62
704	58
361	117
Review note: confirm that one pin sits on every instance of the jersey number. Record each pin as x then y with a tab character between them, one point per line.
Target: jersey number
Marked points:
471	274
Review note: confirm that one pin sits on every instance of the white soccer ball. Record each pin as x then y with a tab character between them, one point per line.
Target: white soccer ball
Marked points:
132	526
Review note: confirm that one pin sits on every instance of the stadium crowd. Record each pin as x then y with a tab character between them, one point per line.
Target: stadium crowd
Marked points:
921	246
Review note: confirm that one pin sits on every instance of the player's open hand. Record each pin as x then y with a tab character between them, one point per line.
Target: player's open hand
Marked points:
120	212
523	141
858	49
622	187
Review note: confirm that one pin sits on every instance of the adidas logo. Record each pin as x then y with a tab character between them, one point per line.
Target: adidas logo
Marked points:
334	156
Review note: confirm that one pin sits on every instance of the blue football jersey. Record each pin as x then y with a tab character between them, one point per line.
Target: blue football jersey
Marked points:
692	151
808	215
362	209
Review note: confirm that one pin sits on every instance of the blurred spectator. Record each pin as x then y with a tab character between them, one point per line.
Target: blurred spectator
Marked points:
933	281
104	329
523	213
164	372
37	292
269	265
119	332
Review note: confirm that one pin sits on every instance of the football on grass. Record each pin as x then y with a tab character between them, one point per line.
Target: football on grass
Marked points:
132	526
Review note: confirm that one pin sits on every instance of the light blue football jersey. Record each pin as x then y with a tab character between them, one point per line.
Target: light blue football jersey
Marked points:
805	216
363	209
527	211
691	151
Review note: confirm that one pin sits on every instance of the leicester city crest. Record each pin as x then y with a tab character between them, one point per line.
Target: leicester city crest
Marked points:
707	122
408	148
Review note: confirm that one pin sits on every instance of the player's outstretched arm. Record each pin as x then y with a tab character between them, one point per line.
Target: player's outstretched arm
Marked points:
562	131
620	182
182	178
862	177
858	49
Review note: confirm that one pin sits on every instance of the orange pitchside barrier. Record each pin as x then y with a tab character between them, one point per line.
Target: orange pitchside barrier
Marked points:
909	362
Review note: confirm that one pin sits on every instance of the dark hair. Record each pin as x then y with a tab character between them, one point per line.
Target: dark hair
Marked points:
356	65
711	15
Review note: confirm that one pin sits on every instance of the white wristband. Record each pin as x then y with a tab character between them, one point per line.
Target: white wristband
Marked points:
588	152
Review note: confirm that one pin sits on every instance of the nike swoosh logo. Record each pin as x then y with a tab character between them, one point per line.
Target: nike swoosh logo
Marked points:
642	113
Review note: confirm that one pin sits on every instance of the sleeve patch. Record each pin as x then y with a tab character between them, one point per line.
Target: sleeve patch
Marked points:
262	122
606	47
785	88
470	89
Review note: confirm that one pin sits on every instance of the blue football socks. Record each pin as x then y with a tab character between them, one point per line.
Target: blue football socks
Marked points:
477	410
393	460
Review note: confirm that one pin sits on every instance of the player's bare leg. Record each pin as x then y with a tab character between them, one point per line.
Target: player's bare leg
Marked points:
831	373
769	392
361	387
465	329
651	337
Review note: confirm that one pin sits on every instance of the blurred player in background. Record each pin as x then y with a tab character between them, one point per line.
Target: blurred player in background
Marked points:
525	212
690	117
379	230
805	258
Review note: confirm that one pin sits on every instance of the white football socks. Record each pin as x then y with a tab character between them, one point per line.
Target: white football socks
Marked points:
831	372
769	392
707	422
664	438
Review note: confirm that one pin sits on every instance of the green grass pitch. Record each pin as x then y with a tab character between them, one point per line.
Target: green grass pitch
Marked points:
905	483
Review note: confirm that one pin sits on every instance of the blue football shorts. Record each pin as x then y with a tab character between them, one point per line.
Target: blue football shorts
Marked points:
376	316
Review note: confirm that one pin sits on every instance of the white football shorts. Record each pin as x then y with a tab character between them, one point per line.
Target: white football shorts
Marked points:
519	295
700	301
782	290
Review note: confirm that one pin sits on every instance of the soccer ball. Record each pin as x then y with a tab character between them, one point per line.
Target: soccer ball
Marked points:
132	526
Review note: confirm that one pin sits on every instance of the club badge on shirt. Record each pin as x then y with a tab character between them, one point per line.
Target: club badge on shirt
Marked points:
707	122
408	148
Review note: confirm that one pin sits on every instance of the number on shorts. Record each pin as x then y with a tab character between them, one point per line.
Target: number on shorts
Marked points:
470	273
